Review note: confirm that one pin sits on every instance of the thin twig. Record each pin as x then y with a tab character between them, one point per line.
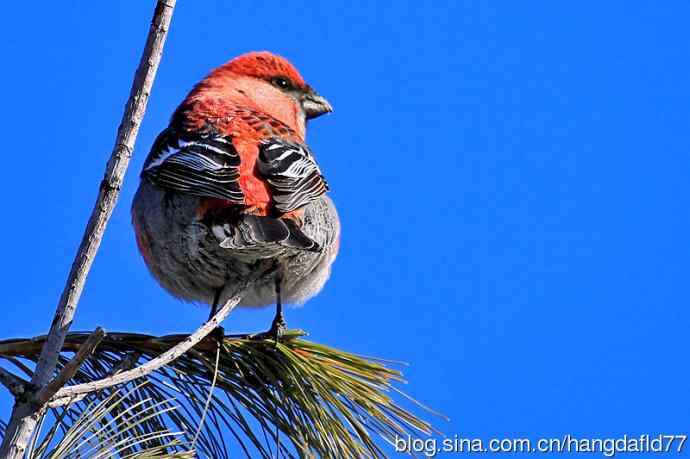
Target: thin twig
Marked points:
13	383
24	415
71	367
163	359
57	402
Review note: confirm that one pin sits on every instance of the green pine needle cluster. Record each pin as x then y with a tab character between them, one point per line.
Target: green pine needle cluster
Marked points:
290	399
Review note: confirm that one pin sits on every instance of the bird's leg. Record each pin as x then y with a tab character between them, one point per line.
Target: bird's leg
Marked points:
216	300
278	326
219	332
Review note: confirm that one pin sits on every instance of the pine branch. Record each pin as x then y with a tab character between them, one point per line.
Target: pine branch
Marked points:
47	392
321	400
167	357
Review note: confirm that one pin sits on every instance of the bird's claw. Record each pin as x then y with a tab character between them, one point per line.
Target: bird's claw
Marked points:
278	328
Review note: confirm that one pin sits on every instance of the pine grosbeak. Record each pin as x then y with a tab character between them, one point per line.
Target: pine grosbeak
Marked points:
230	187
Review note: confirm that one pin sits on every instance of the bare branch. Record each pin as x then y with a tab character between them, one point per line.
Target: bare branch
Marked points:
70	368
58	402
13	383
163	359
24	418
108	193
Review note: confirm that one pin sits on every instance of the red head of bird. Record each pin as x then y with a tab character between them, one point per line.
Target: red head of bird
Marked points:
264	82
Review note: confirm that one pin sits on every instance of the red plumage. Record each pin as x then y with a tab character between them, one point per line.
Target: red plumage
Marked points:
227	99
231	187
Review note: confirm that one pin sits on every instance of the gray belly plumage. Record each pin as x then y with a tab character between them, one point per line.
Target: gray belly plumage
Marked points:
186	258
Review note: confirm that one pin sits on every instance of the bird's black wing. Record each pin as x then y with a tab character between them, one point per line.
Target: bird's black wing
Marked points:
203	164
291	172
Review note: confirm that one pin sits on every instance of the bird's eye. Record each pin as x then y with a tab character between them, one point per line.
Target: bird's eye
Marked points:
282	83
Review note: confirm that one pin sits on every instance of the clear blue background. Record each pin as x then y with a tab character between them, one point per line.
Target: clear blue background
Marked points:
512	179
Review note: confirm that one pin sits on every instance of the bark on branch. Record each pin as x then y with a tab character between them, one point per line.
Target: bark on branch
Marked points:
25	414
163	359
70	369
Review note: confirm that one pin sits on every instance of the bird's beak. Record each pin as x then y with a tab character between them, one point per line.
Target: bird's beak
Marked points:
314	105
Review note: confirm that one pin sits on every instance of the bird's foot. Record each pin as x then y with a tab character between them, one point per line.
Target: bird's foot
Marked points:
278	328
276	332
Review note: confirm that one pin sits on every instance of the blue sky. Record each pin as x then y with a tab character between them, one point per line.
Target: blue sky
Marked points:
512	180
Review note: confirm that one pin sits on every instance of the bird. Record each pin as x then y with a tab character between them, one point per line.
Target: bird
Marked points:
231	194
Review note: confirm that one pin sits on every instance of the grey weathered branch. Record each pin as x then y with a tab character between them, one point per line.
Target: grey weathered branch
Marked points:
58	402
163	359
126	364
47	392
25	414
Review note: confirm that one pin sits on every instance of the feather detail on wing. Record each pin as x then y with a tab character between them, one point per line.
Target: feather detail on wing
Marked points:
201	164
253	231
291	171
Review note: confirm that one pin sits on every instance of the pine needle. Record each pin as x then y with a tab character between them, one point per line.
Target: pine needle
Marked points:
320	400
208	400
